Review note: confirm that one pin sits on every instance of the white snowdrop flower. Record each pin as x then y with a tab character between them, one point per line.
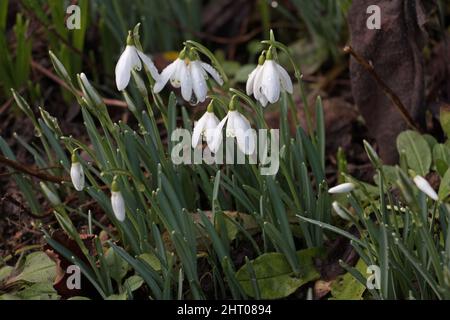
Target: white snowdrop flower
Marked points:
268	80
340	212
117	202
425	187
237	127
254	78
342	188
131	59
205	127
77	174
189	73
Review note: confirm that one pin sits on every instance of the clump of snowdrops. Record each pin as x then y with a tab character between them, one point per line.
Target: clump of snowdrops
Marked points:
178	226
181	214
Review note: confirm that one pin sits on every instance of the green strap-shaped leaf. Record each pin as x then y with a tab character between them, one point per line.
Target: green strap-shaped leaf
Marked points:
416	150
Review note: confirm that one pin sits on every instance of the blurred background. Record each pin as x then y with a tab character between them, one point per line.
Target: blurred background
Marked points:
315	31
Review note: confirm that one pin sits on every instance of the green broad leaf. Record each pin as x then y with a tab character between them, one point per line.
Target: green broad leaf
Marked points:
430	140
444	189
390	175
38	267
152	260
8	296
122	296
78	298
347	287
133	282
38	291
445	120
5	272
118	267
441	157
416	150
274	276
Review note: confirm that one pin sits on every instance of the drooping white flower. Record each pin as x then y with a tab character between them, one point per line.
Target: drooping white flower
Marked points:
131	59
268	80
340	212
117	202
237	127
254	78
342	188
425	187
205	127
189	73
77	174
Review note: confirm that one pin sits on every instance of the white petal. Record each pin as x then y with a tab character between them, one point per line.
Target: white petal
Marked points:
286	82
217	137
77	176
123	68
210	127
251	80
149	64
342	188
165	76
245	136
270	85
198	129
425	187
175	79
118	205
213	72
263	101
231	127
341	213
186	82
257	83
198	81
134	58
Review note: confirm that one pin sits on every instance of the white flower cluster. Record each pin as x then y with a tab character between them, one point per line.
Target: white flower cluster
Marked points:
190	74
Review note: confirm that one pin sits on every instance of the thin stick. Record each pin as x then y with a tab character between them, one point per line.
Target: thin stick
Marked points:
52	76
31	171
388	91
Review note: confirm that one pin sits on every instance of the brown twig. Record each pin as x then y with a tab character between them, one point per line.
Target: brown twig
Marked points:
31	171
387	90
8	197
52	76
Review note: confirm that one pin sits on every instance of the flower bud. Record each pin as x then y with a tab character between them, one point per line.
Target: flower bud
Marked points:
117	202
342	188
425	187
77	174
